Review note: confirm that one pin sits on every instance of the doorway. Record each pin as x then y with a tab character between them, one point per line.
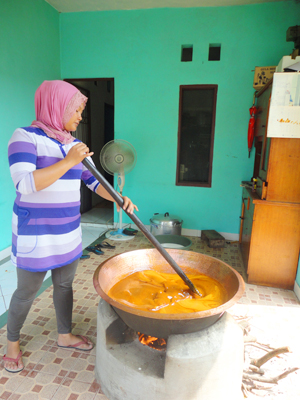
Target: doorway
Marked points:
96	129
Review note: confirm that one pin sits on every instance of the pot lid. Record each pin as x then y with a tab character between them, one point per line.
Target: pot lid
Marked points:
165	219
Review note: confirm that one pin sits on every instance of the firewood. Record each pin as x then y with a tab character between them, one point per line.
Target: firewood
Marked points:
252	372
244	390
259	346
245	326
249	386
242	317
274	380
260	361
248	339
286	373
253	368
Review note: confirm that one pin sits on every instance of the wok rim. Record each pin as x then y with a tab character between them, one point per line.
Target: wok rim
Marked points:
168	317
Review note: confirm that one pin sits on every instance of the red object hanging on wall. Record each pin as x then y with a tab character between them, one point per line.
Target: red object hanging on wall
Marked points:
253	111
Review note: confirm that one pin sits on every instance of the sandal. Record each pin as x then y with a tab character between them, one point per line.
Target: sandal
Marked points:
76	345
93	249
105	245
84	257
15	360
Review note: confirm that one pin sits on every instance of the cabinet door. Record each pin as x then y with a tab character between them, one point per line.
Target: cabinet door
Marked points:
247	216
262	112
263	105
284	171
274	249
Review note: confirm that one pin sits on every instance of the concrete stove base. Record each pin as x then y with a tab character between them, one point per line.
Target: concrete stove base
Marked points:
205	365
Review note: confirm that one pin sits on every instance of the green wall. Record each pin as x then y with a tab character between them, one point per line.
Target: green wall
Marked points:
298	274
29	54
141	50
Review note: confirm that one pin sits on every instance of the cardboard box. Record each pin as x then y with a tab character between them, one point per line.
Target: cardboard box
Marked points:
262	75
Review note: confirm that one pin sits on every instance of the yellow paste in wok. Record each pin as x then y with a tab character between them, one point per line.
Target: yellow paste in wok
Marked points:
150	290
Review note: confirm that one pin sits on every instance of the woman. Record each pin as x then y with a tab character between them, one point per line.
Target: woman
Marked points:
45	165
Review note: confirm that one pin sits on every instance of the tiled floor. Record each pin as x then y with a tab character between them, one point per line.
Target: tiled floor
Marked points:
101	214
55	373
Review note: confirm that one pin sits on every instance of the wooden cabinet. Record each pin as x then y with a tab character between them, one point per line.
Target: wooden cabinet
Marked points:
270	225
270	241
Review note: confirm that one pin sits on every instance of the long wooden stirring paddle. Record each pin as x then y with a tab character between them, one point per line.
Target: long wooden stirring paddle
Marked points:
115	195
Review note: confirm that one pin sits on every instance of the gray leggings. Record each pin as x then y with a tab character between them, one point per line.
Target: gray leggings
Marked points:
29	284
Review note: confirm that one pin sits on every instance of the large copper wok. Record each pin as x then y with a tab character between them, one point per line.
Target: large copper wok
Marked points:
162	325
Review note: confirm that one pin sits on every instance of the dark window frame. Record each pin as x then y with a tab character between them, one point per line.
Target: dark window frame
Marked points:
196	87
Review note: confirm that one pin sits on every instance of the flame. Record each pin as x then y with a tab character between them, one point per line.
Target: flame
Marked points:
153	342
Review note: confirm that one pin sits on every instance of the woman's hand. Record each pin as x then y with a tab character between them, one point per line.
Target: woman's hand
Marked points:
128	205
78	153
45	177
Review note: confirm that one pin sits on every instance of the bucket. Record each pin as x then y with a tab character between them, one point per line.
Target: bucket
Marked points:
174	241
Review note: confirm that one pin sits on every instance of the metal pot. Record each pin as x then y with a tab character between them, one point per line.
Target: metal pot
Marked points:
162	325
165	224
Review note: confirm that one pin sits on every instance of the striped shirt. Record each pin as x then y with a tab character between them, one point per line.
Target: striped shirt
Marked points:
46	232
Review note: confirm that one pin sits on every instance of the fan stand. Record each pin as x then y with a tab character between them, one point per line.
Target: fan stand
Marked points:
118	234
118	157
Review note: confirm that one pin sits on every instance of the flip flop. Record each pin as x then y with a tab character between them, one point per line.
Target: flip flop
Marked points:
93	249
105	245
76	345
84	257
15	360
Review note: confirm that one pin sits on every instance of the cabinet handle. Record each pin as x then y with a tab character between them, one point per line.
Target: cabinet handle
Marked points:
248	203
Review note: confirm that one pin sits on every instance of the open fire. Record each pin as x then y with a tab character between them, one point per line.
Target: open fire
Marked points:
153	342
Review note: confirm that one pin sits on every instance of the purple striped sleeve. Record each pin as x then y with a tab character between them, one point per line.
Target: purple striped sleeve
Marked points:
20	146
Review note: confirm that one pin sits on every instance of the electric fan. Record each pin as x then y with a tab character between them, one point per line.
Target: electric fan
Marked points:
118	157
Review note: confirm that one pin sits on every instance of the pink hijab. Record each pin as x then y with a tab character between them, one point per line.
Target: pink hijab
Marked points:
55	103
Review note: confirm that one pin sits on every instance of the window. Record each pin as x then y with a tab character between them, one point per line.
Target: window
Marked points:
214	52
187	52
197	109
